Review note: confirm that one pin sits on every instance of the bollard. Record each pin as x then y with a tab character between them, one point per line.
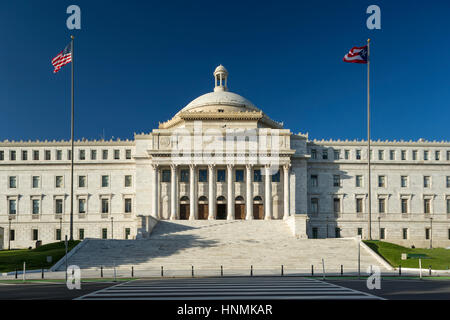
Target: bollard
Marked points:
312	270
162	271
221	271
16	273
42	273
132	271
400	270
101	271
323	269
192	271
251	271
24	271
342	270
282	270
429	272
115	278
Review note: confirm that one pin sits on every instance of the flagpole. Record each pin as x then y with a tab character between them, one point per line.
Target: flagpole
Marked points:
72	155
369	233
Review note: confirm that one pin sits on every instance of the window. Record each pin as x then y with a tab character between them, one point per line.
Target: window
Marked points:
184	175
337	155
382	233
380	155
448	206
315	234
128	180
336	180
127	233
48	155
437	155
69	154
404	181
35	206
81	181
448	181
403	154
382	205
405	233
36	155
116	154
337	205
105	181
414	154
425	155
381	181
276	177
128	154
82	205
2	155
13	182
58	235
358	154
448	155
359	181
81	234
221	175
35	234
58	154
404	205
82	155
371	153
12	155
337	232
314	180
59	181
24	155
426	181
12	206
93	154
359	205
360	232
202	175
427	206
392	155
257	175
239	175
165	176
12	235
347	154
58	206
105	205
314	205
325	154
313	154
104	233
427	233
128	206
105	154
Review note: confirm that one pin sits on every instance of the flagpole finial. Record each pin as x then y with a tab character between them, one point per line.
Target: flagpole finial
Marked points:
72	37
368	40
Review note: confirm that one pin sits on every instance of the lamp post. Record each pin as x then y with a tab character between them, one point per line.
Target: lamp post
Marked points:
431	232
112	228
9	230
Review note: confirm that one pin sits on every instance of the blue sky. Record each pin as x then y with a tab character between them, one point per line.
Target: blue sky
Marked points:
139	62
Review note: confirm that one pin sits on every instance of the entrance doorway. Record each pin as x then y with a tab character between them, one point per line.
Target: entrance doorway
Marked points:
221	211
258	208
203	208
239	208
184	208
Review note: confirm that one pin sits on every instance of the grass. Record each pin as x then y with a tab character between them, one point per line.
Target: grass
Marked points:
34	258
438	259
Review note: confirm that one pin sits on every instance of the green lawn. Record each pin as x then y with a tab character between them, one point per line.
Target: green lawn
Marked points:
34	258
439	258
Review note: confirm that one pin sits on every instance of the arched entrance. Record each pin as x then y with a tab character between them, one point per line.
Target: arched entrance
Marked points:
202	208
239	208
221	208
258	208
184	208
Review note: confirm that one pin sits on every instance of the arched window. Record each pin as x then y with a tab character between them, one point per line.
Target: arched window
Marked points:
239	198
257	198
184	199
221	198
203	199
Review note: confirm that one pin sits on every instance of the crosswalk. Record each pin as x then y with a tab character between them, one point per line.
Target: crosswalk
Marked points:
247	288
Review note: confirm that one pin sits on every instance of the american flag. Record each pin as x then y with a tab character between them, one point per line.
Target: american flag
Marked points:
63	58
356	55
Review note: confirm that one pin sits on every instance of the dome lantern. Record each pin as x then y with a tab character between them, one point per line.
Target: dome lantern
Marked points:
220	79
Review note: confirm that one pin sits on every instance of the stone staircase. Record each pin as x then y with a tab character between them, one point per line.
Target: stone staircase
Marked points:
232	244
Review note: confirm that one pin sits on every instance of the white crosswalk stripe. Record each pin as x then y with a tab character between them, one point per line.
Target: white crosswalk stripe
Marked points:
280	288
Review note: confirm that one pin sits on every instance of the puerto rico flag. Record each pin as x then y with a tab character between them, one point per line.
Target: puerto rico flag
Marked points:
356	55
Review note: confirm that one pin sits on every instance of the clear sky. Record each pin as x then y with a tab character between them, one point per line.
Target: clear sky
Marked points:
139	62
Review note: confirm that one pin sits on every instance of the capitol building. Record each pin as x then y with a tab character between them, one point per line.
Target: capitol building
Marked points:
222	157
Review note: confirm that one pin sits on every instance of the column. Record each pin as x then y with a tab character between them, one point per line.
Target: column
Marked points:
249	192
192	193
230	196
286	190
211	193
155	197
173	192
268	194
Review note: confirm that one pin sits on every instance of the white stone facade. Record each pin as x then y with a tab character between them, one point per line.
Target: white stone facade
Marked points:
201	165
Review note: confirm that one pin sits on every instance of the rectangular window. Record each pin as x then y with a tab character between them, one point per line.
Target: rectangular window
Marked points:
58	206
127	233
404	204
69	154
116	154
447	181
257	175
360	232
93	154
382	205
276	177
359	205
82	154
404	181
314	180
336	180
337	232
128	206
82	205
12	155
36	155
165	176
358	154
81	181
12	235
202	175
13	182
2	155
380	155
427	233
221	175
381	181
12	206
105	181
337	155
59	181
184	175
448	155
313	154
437	155
403	154
392	155
35	206
81	234
105	205
359	181
24	155
414	155
315	233
104	233
58	154
58	235
426	181
426	155
382	233
314	205
325	154
448	206
239	175
48	155
427	206
35	234
128	180
347	154
405	233
105	154
337	205
128	154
